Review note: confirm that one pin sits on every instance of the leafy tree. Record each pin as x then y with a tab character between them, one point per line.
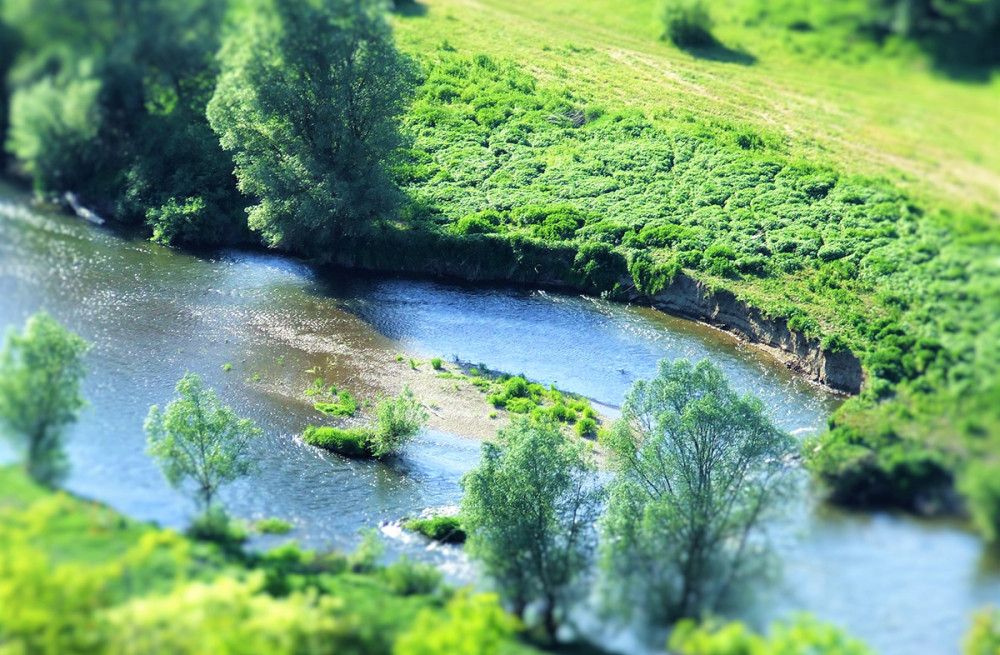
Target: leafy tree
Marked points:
52	125
10	44
109	100
528	509
199	439
307	101
40	374
397	420
698	470
962	31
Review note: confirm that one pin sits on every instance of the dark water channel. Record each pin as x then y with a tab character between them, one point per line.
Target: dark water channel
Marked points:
903	585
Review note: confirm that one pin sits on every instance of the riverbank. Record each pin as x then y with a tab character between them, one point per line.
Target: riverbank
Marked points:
155	313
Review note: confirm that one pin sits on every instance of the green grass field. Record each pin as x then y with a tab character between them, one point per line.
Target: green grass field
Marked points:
829	96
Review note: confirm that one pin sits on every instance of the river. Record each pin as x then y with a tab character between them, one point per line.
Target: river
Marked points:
903	585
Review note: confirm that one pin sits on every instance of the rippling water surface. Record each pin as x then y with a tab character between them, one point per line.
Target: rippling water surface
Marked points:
905	586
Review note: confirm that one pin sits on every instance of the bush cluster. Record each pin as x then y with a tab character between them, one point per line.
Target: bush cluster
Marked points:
519	396
350	442
78	578
446	529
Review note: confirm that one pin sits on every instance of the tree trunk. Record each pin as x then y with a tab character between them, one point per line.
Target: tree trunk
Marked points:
549	618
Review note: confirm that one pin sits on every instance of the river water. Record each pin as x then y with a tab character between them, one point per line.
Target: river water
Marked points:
903	585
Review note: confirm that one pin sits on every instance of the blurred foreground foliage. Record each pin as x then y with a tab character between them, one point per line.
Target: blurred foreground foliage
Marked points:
802	636
76	577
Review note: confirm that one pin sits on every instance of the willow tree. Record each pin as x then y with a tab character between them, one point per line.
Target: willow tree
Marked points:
40	373
529	509
196	439
307	101
699	469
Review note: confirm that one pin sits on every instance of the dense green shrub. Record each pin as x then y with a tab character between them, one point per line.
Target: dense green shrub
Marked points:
801	636
983	637
447	529
473	224
586	427
649	277
720	260
397	420
273	526
407	577
352	442
876	468
980	483
519	405
474	625
598	267
686	23
346	405
215	525
516	387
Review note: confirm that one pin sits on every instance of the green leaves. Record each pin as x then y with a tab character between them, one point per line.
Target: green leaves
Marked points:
699	468
307	101
528	508
197	438
397	420
52	125
40	374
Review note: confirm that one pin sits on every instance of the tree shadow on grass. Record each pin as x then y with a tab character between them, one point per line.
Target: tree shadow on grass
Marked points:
409	8
716	51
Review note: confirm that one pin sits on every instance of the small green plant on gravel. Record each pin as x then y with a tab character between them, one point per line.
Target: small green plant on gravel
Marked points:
586	427
273	526
436	363
397	420
446	529
345	405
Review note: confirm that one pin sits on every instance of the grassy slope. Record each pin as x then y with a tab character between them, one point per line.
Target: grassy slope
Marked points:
922	266
937	137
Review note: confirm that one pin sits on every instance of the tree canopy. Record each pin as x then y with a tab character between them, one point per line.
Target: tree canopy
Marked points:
40	374
197	438
528	510
699	468
307	101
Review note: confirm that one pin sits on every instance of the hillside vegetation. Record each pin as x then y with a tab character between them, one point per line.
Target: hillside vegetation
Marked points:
858	203
837	167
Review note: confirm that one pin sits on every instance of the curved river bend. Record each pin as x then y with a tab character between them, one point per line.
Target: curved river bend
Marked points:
903	585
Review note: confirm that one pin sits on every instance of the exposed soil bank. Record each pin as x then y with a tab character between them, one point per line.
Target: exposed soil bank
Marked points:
688	298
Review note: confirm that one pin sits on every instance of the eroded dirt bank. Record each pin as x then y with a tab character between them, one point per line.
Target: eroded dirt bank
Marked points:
688	298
